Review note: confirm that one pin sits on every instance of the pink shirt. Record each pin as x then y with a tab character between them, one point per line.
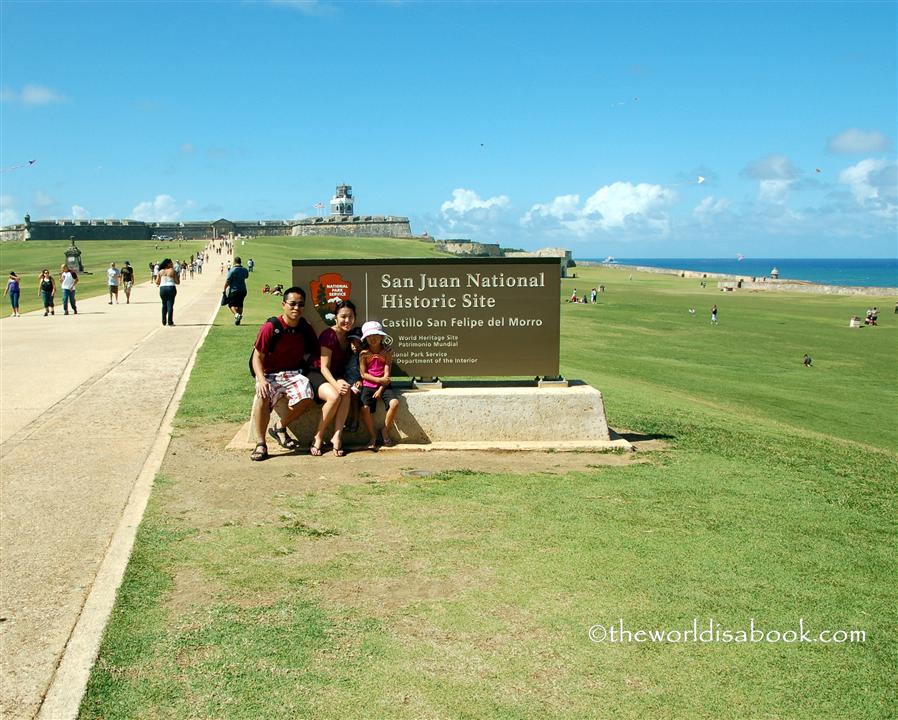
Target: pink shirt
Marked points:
376	365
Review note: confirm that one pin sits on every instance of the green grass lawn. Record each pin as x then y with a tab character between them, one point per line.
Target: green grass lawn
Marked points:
469	595
27	259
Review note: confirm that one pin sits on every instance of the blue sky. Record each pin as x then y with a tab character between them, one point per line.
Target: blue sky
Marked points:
581	125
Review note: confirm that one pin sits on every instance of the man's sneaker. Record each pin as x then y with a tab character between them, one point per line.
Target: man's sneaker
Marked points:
237	318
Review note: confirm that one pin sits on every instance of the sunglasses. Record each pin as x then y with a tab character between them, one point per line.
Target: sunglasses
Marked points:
294	303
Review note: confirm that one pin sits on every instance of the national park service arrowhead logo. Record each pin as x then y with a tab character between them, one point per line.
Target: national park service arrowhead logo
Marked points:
326	291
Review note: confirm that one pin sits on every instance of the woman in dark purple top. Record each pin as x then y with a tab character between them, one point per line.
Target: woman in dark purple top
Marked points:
334	391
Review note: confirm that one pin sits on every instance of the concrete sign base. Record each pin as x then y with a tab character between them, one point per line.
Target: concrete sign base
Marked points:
484	418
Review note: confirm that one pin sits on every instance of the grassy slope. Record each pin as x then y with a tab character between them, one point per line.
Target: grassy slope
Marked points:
767	506
642	341
27	259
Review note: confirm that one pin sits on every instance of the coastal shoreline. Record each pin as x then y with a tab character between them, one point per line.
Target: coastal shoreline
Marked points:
729	282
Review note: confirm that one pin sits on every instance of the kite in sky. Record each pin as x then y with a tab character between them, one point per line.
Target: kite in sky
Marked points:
700	179
621	102
18	167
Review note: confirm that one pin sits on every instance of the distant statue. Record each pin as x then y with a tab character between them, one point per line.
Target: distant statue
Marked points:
73	256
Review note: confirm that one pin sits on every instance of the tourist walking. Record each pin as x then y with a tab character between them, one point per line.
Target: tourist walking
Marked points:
127	281
167	280
714	315
235	289
68	279
47	290
13	289
112	278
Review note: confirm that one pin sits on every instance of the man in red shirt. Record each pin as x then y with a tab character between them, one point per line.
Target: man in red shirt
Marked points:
278	360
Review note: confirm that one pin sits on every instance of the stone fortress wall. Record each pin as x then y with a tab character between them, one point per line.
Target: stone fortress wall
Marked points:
565	256
138	230
469	248
353	226
342	222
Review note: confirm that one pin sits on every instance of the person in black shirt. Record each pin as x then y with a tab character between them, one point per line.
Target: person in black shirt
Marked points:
128	280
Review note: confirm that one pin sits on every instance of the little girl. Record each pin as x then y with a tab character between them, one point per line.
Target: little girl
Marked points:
374	366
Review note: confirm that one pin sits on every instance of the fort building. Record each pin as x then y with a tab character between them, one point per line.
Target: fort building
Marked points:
341	222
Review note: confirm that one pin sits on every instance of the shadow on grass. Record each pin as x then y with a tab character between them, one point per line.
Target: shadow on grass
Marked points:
637	437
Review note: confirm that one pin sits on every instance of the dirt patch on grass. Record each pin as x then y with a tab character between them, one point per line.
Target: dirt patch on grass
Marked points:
218	486
212	488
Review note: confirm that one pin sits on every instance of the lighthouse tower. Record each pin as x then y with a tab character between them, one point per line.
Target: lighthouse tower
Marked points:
341	203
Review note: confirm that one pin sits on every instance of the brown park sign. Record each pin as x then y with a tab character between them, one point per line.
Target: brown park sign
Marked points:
452	317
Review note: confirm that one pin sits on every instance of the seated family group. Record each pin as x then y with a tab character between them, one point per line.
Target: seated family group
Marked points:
341	369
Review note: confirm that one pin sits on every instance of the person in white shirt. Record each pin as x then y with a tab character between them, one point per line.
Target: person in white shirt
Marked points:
112	278
68	279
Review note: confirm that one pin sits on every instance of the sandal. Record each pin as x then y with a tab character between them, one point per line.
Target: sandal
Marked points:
315	450
339	452
260	452
283	439
372	445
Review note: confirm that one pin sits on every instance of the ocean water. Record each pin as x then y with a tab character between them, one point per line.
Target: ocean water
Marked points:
868	272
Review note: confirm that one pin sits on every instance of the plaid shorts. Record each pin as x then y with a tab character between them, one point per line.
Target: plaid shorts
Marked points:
291	384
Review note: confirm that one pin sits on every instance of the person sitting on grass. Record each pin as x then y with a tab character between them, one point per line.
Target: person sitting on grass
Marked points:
807	360
374	366
266	288
278	361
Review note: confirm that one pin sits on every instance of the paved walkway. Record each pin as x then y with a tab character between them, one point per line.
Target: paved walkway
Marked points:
86	402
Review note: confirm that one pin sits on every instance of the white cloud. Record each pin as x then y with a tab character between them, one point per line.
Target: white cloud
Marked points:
187	148
615	206
709	207
775	175
9	214
42	200
560	208
32	95
774	191
772	167
300	216
306	7
162	209
79	213
873	184
464	201
622	200
853	141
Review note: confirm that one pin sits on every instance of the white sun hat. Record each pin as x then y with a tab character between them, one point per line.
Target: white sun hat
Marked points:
372	327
